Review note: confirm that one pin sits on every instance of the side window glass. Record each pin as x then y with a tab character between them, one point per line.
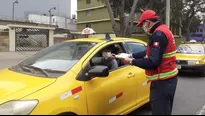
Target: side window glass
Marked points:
112	64
136	47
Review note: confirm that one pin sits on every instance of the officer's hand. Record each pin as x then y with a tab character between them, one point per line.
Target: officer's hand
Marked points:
127	60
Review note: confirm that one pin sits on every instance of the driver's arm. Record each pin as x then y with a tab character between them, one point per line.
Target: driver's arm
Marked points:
97	60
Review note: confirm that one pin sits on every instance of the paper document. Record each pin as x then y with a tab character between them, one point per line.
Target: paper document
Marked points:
122	56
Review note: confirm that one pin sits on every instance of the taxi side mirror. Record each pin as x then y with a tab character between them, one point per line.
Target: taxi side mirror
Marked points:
98	71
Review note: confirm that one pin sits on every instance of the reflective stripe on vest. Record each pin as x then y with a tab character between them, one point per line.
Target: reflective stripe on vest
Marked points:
163	75
170	54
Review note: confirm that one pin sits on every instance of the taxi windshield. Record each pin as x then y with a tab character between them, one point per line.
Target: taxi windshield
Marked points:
190	49
58	58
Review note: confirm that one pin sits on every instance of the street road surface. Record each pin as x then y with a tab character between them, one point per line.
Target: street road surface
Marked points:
189	98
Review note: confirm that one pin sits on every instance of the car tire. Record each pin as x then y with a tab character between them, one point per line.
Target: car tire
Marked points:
203	73
67	113
148	106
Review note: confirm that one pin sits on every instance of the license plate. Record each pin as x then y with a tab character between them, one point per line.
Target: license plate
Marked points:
179	66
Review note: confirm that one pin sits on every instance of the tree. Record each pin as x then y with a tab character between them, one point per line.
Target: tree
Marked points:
159	6
189	11
176	15
196	21
125	11
182	13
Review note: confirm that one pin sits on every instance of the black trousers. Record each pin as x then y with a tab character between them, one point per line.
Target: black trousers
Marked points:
162	96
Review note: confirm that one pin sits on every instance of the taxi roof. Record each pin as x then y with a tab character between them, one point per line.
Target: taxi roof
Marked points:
99	40
202	43
193	44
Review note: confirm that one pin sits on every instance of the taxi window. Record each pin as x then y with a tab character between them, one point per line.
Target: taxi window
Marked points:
112	64
57	58
190	49
136	47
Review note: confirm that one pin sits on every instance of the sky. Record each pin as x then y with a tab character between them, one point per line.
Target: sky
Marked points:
36	5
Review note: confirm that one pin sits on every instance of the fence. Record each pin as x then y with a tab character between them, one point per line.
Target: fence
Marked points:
4	40
31	39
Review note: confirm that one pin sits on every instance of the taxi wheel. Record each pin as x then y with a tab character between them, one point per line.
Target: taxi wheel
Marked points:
148	106
203	73
67	113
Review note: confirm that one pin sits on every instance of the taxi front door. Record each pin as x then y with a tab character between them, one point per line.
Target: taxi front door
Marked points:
114	94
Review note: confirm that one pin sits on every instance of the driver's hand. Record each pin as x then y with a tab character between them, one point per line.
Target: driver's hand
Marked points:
109	56
127	60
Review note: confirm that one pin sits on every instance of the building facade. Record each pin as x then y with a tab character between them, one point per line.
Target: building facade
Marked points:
94	14
198	35
61	21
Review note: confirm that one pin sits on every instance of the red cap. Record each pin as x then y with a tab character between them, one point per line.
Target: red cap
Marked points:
148	14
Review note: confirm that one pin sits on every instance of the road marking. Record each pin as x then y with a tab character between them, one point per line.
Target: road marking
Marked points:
201	111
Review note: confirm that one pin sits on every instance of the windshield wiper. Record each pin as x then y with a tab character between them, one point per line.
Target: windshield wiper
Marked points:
33	67
57	71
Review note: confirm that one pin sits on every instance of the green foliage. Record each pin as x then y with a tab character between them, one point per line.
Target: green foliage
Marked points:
195	23
183	12
189	18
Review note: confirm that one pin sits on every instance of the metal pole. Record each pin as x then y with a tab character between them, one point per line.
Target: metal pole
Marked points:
66	19
16	2
58	10
168	13
13	12
54	8
50	17
204	28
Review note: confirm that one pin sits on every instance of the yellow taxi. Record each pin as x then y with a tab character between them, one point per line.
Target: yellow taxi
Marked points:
62	80
191	57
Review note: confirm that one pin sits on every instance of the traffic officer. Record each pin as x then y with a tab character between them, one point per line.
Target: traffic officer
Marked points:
159	62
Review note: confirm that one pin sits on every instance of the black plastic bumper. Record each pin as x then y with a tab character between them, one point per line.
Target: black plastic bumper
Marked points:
195	68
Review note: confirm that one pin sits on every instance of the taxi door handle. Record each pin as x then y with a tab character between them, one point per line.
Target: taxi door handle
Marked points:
130	75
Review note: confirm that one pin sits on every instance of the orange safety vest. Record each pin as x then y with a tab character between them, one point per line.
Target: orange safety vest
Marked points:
167	68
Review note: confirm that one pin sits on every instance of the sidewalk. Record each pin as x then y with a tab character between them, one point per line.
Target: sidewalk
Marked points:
8	59
15	55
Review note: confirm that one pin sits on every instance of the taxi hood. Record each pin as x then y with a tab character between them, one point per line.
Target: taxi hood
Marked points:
15	85
180	56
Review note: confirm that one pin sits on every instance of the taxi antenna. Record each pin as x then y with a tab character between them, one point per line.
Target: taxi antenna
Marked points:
107	36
